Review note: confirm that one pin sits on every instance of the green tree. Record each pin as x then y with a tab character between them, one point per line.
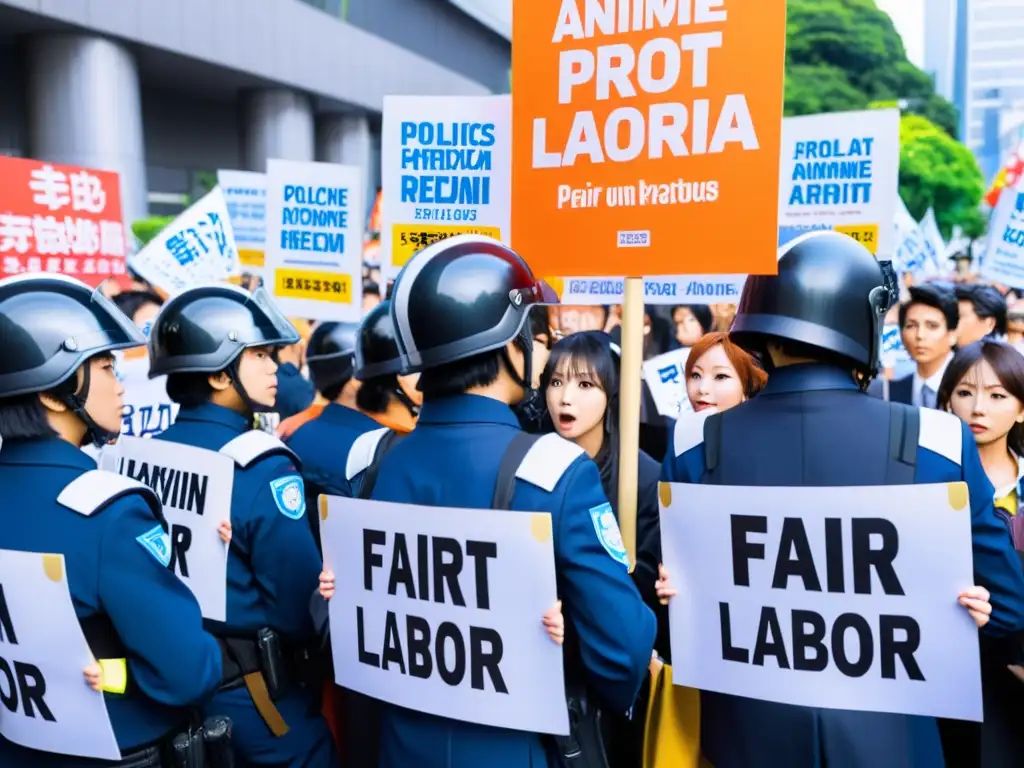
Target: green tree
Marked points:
148	228
936	171
843	54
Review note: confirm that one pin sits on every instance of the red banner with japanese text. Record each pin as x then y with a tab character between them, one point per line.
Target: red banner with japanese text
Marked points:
60	218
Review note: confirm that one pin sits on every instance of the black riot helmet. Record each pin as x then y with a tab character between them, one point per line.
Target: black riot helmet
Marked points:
50	325
377	351
331	354
464	296
205	329
830	294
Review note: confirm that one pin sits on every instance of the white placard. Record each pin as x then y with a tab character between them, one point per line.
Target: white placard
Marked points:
893	351
43	655
245	193
681	289
196	248
148	410
869	564
386	640
666	378
446	169
1004	254
195	487
314	256
841	171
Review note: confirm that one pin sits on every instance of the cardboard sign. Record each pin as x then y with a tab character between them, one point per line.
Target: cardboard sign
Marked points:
646	137
245	193
195	487
314	250
844	598
439	610
62	219
446	169
45	703
840	171
666	378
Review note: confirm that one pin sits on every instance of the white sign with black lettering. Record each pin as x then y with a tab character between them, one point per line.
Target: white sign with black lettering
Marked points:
195	487
45	703
844	598
439	610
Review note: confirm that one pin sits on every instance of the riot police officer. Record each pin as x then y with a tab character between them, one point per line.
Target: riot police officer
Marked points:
59	392
817	325
386	391
460	308
215	344
322	444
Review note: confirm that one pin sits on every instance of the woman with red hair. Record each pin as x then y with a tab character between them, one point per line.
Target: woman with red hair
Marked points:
720	375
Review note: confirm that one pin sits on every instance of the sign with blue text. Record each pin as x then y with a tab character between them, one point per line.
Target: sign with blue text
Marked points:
446	169
246	196
840	171
1004	258
680	289
314	249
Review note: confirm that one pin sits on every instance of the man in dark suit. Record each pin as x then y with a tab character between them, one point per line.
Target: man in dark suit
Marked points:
928	322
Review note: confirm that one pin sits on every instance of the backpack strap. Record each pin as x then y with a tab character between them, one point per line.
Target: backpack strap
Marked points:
514	455
387	441
904	434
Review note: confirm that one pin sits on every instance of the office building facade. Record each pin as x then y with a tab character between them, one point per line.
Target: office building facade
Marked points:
165	92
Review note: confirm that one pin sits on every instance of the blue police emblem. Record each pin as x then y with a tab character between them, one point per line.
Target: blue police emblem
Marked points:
608	532
157	543
290	496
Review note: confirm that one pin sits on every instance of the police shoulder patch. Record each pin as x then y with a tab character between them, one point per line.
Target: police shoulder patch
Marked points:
289	495
607	528
157	543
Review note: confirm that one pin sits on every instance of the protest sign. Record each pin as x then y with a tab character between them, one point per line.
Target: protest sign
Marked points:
314	253
60	218
245	194
666	379
844	598
441	611
840	171
687	289
46	703
195	487
643	138
893	351
934	244
1004	254
196	248
446	169
910	254
148	410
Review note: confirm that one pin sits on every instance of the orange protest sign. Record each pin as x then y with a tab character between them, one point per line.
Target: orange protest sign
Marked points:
60	218
646	135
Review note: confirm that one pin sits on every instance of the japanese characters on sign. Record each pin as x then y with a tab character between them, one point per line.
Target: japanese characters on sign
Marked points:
197	247
446	169
58	218
246	196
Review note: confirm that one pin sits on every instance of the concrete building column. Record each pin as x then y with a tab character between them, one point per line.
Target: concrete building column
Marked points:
346	139
279	125
85	108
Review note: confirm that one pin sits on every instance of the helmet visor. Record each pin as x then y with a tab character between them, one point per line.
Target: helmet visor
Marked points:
271	326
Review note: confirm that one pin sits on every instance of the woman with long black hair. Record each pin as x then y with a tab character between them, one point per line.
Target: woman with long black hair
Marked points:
580	384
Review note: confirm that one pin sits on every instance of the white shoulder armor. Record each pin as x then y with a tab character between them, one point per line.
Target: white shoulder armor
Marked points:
689	431
941	433
547	460
90	492
254	445
360	455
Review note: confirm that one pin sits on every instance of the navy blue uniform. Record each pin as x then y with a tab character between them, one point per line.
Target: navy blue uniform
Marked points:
451	459
322	446
294	391
115	552
273	566
811	426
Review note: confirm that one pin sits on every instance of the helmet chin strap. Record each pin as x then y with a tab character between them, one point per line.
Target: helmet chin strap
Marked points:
531	407
405	400
94	433
251	406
